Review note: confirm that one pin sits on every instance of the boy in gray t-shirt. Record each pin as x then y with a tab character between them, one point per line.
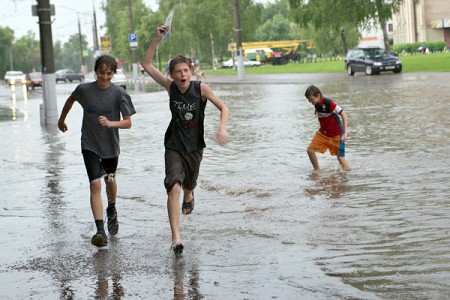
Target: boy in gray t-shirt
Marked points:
103	104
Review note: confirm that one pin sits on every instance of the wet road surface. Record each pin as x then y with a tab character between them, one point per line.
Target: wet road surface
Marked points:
264	226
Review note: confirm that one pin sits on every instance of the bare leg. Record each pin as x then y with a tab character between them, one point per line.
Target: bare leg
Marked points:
96	199
344	163
188	195
173	209
313	158
111	190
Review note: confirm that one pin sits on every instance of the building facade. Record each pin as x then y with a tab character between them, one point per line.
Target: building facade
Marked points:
422	21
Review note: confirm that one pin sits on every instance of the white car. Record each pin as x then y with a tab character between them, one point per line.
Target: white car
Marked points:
14	77
119	78
247	63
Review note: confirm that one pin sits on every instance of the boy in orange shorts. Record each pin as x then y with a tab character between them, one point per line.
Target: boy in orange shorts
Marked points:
332	132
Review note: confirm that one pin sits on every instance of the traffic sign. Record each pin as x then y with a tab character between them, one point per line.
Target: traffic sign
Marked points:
132	38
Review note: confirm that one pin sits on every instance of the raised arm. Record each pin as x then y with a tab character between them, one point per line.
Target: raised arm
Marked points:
147	61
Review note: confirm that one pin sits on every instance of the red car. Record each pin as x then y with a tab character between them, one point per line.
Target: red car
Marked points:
34	79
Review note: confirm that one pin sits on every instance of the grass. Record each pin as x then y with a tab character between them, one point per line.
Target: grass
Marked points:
439	62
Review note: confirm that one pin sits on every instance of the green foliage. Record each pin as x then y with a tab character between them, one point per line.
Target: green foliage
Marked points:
6	41
337	14
26	53
200	29
68	56
438	62
414	47
278	28
279	7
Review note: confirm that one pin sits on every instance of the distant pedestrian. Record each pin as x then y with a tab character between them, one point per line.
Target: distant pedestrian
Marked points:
199	74
184	139
103	104
332	133
423	48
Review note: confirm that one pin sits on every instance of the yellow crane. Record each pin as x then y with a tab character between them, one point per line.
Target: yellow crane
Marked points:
290	46
257	49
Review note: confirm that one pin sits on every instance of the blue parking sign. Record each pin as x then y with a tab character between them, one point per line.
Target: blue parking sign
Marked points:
132	38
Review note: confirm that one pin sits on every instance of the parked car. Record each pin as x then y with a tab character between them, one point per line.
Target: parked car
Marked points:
34	79
371	61
247	63
119	78
14	77
67	75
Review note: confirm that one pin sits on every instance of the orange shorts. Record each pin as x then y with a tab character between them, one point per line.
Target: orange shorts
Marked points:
320	143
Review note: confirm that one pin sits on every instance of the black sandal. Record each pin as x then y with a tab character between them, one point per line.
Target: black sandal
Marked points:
188	206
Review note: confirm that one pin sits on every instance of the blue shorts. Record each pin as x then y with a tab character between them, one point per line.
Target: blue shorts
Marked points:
98	167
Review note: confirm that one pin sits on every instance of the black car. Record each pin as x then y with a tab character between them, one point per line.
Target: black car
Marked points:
371	61
67	75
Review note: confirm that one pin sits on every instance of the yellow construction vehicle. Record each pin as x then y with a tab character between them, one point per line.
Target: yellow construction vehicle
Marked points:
258	50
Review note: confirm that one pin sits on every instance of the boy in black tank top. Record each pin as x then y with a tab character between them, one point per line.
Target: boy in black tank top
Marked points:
184	139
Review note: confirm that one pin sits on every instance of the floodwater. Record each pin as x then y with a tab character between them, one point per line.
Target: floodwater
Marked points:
265	226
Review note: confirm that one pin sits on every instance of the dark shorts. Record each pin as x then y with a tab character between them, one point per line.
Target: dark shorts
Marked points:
183	168
98	167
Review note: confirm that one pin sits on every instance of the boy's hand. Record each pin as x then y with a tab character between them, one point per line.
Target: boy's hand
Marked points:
344	137
160	32
103	121
222	137
62	126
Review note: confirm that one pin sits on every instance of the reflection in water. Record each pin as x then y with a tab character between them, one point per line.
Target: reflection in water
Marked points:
192	287
13	112
105	264
13	107
331	185
52	201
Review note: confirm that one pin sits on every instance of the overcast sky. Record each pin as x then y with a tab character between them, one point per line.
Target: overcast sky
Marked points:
16	14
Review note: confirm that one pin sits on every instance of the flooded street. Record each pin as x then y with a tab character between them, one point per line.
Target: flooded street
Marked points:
265	226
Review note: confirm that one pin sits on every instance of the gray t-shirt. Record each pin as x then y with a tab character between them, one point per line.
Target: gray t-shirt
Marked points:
111	103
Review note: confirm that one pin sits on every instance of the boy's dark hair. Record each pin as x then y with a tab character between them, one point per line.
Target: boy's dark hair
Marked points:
179	60
312	91
106	60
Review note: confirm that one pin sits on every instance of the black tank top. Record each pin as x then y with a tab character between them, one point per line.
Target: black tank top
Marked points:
186	128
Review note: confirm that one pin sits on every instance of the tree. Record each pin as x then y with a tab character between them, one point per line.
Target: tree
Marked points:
200	29
27	48
6	42
69	56
339	14
276	29
118	25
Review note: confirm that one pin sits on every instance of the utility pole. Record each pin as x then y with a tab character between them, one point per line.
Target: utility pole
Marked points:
237	25
133	49
81	43
49	111
94	30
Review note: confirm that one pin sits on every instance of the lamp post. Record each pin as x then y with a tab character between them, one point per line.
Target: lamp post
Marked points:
238	29
11	64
